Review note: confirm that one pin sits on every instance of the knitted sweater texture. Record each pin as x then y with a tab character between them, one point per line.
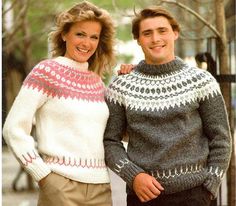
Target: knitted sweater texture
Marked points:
177	125
66	103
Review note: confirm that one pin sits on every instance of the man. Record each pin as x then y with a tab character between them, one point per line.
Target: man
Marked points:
179	138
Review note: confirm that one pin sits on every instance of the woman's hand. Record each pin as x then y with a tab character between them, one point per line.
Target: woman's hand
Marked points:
42	181
125	69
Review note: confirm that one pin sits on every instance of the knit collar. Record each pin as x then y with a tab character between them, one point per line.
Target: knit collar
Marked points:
162	69
71	63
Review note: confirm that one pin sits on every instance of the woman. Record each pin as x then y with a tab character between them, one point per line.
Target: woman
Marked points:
64	98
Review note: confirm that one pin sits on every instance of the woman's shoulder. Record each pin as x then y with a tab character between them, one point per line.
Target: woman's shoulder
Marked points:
41	72
45	64
44	68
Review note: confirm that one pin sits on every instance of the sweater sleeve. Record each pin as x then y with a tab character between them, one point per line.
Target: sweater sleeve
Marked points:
115	153
216	128
18	125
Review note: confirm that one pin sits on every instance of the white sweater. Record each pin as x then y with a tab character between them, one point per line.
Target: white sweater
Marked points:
66	103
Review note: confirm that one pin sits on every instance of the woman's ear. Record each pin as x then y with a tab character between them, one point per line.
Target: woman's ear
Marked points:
63	37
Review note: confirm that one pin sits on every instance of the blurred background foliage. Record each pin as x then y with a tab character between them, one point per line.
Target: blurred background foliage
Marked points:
29	41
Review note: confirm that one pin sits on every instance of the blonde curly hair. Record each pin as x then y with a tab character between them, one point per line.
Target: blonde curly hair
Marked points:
103	59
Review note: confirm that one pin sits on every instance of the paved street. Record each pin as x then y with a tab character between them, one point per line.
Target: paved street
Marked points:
10	168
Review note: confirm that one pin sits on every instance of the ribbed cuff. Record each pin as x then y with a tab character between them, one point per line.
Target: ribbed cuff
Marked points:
212	185
129	172
38	170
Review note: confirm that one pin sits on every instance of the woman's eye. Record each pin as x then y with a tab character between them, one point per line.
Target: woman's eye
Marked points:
80	34
94	37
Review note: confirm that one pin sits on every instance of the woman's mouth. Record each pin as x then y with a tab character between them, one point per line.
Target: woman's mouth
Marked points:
82	50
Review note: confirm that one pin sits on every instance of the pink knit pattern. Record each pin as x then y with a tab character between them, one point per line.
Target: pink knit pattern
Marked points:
59	81
29	158
73	162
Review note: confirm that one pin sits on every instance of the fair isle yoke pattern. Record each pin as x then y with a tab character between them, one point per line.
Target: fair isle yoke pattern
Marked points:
61	81
139	91
176	120
66	104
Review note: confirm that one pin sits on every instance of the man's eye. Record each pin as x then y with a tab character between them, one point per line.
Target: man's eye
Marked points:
146	33
162	30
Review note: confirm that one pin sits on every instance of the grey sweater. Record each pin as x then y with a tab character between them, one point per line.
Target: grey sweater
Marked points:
177	125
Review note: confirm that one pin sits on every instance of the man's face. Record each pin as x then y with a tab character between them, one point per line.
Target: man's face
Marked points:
156	37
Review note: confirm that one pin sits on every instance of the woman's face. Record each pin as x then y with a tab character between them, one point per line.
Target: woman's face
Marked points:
82	40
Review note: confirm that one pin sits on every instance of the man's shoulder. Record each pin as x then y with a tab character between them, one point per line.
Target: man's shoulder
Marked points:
202	73
119	87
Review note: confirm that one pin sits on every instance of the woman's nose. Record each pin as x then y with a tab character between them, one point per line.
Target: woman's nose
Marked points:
86	41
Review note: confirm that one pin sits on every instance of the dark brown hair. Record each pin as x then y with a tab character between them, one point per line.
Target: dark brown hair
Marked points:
152	12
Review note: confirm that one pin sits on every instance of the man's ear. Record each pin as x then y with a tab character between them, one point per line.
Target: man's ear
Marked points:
176	35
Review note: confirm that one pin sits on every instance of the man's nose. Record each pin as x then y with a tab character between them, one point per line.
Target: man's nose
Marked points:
155	37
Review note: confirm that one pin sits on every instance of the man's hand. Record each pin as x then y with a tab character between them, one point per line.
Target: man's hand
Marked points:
146	187
125	68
